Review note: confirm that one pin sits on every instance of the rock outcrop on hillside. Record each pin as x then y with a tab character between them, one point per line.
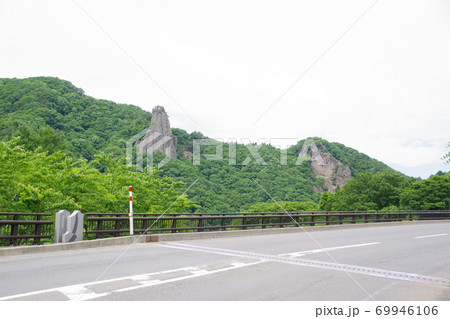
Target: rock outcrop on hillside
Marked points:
334	173
159	136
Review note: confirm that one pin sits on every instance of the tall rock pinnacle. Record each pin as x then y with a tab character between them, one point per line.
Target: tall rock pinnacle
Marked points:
159	135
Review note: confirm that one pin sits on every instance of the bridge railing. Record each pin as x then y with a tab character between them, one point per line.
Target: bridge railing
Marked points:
25	228
106	225
30	228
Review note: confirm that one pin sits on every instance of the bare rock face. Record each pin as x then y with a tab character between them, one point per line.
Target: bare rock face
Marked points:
333	172
188	154
159	135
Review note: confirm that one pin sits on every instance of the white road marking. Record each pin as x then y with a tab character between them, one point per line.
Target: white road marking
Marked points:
140	277
28	294
81	292
315	251
199	272
315	264
429	236
240	265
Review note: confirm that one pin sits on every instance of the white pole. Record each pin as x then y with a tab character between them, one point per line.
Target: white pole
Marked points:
131	211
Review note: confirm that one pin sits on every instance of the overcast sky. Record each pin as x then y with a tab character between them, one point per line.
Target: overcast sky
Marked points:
373	75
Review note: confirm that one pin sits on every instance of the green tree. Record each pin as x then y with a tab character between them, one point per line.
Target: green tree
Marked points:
281	207
45	138
27	180
430	194
59	116
326	201
370	192
33	181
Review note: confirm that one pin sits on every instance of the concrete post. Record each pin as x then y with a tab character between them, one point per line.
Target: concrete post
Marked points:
60	224
68	228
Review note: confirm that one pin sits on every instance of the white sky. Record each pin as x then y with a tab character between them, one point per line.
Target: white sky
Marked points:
383	88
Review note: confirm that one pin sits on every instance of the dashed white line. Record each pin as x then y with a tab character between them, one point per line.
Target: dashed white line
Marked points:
429	236
315	264
315	251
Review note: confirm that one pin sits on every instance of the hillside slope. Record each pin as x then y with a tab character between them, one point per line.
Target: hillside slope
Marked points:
38	107
222	186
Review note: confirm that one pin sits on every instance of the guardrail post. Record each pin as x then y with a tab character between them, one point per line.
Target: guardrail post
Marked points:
327	219
174	224
37	231
244	223
313	219
99	227
223	222
341	218
117	228
200	223
14	231
263	222
144	223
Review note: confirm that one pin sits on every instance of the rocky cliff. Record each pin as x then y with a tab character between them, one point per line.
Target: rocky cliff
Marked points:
324	166
159	135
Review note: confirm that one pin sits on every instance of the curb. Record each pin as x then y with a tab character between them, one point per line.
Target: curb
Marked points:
96	243
128	240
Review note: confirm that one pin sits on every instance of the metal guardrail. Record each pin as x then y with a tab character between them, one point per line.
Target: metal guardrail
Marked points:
106	225
29	228
21	228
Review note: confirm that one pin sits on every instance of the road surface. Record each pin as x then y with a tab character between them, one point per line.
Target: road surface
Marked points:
402	262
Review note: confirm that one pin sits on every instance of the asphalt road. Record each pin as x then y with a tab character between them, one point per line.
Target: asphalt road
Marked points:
404	262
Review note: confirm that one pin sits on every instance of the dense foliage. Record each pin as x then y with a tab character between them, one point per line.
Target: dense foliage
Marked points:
430	194
280	207
33	181
223	187
56	115
390	191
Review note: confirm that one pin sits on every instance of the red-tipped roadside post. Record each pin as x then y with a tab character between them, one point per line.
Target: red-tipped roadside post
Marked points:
131	211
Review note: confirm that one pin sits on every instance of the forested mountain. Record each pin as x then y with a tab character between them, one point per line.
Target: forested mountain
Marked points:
59	117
